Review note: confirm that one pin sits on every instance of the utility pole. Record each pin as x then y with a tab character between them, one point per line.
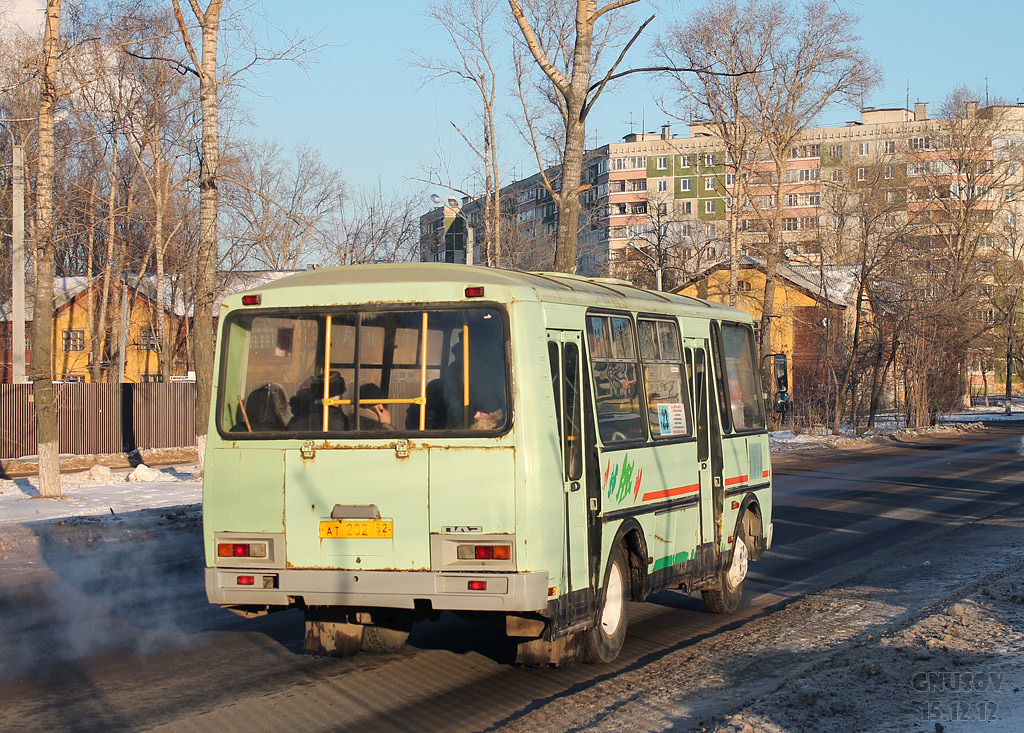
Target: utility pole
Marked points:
18	260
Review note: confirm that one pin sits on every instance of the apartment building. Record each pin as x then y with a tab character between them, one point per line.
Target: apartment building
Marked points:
664	190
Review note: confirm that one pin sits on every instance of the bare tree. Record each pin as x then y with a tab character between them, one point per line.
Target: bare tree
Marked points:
376	228
567	50
725	37
469	26
42	324
806	57
279	208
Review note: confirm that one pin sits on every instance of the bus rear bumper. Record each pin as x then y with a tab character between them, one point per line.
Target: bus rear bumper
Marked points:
378	589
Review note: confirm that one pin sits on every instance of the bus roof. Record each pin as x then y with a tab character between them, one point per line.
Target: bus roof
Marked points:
419	282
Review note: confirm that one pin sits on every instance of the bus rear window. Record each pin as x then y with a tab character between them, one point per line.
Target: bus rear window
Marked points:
346	372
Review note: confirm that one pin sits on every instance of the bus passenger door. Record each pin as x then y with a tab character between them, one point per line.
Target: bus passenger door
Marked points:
565	354
709	461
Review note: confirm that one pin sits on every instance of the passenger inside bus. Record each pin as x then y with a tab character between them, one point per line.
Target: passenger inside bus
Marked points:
307	405
264	409
373	416
484	409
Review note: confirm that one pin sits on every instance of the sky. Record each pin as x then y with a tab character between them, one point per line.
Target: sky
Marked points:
366	109
373	118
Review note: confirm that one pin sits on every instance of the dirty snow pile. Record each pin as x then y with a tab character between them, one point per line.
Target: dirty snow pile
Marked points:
100	490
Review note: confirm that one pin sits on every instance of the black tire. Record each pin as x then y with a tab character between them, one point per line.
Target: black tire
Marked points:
726	597
382	640
603	642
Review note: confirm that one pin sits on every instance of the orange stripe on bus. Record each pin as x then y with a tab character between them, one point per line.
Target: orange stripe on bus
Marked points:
665	493
735	480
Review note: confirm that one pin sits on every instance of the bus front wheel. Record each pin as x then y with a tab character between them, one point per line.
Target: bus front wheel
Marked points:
726	597
602	642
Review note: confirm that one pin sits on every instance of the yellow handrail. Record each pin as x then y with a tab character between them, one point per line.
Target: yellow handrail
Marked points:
327	373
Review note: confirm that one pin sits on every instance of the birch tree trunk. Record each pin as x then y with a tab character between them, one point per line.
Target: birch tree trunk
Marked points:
42	321
202	325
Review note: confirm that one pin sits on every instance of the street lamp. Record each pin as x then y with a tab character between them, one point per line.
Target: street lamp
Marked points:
17	253
652	260
453	204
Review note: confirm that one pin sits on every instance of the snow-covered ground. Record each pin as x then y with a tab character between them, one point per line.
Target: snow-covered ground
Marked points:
101	490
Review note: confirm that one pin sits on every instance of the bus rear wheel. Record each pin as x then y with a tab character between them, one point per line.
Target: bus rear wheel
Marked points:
603	642
382	640
726	597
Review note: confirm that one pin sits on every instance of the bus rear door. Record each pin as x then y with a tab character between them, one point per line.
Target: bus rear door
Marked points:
565	354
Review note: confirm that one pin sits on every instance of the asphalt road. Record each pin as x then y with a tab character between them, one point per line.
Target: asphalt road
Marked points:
106	631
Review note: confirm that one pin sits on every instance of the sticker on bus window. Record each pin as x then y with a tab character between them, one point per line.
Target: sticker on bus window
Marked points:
672	418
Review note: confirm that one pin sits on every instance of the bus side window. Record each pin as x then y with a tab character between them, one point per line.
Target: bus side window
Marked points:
718	359
556	385
668	414
700	392
573	423
616	375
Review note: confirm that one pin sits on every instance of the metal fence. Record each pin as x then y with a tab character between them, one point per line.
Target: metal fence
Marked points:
101	418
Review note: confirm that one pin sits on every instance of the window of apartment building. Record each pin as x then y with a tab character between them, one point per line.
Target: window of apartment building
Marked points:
684	161
837	176
709	207
709	159
836	151
615	186
790	223
1011	196
711	231
662	209
74	340
636	184
802	175
808	223
890	171
862	174
150	378
684	184
149	340
865	148
663	185
630	162
662	163
812	199
687	207
709	183
638	208
730	179
73	378
805	151
890	197
985	243
890	147
918	143
792	199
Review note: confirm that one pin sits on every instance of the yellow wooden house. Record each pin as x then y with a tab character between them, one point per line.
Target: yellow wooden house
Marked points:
811	308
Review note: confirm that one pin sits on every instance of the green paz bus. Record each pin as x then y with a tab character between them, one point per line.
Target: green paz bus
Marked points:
391	441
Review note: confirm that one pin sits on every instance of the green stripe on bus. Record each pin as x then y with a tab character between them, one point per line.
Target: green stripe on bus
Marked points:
671	560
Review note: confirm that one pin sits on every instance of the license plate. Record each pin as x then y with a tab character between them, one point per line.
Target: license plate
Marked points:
368	529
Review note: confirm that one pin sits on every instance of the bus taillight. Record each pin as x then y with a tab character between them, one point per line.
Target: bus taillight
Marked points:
485	552
477	585
247	580
242	549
